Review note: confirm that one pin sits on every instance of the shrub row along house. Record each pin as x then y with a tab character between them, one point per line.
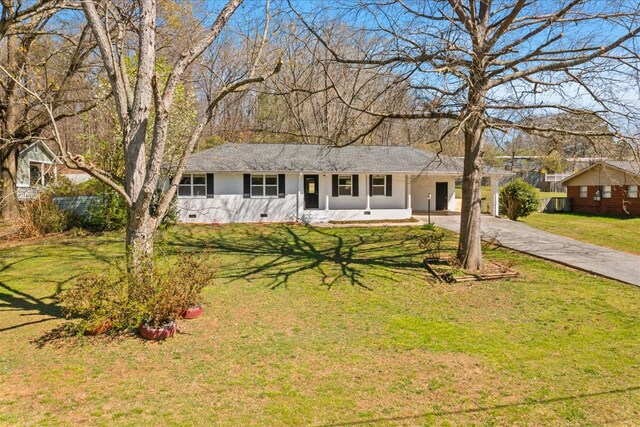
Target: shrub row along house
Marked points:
317	183
606	187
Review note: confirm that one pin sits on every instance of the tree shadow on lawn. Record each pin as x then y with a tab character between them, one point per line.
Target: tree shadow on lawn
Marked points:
279	253
13	299
480	409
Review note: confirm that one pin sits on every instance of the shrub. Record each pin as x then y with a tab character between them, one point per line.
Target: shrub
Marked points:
97	299
155	296
431	241
518	199
42	216
107	212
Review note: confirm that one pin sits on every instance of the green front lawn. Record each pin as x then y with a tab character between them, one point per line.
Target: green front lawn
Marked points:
612	232
310	326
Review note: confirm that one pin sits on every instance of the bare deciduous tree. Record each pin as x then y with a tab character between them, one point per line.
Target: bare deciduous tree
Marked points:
48	56
482	64
113	27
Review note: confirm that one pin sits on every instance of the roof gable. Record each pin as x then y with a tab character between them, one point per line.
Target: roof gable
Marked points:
626	166
38	149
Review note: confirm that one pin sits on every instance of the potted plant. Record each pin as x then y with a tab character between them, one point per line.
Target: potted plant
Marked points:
157	297
195	273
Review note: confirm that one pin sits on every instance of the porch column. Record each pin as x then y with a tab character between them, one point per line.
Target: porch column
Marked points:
366	186
408	179
495	195
42	172
300	198
327	192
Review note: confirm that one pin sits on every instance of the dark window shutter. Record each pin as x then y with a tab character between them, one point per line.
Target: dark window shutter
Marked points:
209	185
281	189
389	183
355	185
371	185
247	186
334	182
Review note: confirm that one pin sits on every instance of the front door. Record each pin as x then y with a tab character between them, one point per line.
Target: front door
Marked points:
311	197
442	196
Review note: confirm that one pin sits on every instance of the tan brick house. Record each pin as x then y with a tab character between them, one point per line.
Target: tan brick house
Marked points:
607	187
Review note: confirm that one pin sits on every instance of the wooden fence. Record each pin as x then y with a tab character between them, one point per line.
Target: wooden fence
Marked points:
555	204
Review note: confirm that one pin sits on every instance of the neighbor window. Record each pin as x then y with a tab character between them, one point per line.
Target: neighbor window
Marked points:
378	185
264	185
606	192
344	185
583	191
633	192
192	185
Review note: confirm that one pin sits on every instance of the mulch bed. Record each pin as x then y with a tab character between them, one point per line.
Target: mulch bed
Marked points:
446	270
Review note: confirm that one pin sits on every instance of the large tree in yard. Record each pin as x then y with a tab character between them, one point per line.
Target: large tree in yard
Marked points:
49	56
126	32
481	65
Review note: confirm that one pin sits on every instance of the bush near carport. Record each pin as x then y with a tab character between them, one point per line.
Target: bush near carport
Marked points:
518	199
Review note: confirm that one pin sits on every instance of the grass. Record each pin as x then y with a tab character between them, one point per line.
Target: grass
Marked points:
613	232
310	326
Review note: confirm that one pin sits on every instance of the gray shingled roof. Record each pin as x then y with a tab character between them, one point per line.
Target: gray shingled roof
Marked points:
321	158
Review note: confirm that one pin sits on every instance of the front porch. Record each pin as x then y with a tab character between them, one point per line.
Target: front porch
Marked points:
354	197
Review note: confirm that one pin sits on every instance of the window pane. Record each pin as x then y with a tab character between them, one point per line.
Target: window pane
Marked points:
378	180
344	190
378	191
256	191
256	179
199	180
185	180
271	190
199	190
184	190
583	192
271	179
606	192
344	180
633	191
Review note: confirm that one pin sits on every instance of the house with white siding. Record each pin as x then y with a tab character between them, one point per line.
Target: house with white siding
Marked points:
317	183
37	167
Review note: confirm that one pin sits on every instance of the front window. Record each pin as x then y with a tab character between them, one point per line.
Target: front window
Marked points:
378	185
606	192
192	185
633	192
264	185
344	185
583	192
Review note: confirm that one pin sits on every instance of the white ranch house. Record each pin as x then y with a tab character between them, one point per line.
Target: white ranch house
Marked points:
317	183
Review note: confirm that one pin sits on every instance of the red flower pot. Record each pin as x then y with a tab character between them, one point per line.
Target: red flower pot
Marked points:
160	333
192	312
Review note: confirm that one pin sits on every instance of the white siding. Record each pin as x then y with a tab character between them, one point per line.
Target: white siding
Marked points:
228	204
422	185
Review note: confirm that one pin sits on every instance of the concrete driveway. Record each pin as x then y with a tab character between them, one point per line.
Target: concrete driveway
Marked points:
584	256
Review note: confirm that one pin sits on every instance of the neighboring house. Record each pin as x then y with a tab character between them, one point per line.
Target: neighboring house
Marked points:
76	176
606	187
37	167
316	183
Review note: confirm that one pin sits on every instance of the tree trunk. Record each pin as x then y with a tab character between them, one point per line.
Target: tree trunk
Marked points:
9	201
470	245
8	171
139	240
